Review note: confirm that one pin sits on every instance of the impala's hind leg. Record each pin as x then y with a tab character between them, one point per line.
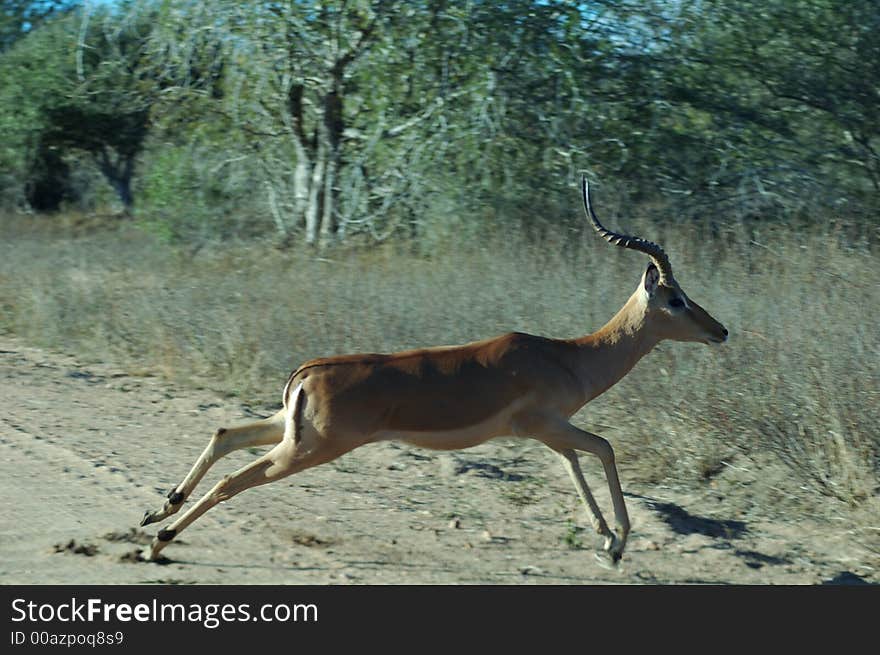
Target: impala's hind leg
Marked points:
225	440
283	460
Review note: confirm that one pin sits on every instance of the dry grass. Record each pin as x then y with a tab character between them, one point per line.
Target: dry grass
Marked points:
798	383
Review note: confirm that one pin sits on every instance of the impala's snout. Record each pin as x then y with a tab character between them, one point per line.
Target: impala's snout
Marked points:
717	333
708	330
720	337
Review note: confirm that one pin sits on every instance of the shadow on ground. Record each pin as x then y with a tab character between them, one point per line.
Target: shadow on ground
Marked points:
685	523
846	578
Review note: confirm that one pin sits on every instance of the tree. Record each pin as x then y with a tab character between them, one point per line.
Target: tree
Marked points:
34	171
389	117
783	96
106	112
294	64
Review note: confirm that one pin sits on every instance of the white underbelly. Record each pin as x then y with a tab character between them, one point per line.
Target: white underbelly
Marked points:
466	437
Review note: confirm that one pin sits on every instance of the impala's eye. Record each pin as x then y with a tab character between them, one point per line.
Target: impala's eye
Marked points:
676	302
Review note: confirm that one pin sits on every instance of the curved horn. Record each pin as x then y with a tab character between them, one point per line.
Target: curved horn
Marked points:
651	249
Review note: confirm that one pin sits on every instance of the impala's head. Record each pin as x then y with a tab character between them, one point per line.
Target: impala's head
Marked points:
671	314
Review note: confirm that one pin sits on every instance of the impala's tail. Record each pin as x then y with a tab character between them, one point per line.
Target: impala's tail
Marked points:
293	403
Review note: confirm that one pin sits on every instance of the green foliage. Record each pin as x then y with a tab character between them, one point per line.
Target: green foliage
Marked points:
32	76
572	536
168	189
383	118
77	85
783	96
191	192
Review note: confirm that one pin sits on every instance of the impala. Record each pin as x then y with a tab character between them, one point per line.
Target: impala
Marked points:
453	397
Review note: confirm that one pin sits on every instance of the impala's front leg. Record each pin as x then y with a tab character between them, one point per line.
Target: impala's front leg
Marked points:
615	542
570	461
564	438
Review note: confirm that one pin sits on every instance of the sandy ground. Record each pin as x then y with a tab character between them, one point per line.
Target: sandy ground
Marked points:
86	449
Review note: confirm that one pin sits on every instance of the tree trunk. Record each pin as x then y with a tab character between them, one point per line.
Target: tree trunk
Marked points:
301	150
328	222
118	174
122	186
300	185
330	133
313	210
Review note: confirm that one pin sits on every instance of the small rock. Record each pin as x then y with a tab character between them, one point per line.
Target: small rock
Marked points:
455	523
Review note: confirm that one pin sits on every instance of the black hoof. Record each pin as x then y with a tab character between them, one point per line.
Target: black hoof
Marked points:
148	518
166	535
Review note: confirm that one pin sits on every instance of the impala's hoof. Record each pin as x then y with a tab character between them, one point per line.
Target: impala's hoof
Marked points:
163	538
156	558
148	518
606	561
613	549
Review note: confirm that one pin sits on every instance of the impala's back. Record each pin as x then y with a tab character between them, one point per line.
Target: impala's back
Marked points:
445	397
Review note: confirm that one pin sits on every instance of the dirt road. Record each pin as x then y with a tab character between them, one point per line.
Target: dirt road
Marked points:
85	449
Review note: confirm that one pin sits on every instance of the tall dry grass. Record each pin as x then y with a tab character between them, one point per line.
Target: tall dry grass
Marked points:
797	382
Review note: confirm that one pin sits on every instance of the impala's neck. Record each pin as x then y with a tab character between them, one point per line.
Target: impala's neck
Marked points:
608	354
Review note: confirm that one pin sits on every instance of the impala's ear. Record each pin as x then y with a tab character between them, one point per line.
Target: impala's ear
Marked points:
651	279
